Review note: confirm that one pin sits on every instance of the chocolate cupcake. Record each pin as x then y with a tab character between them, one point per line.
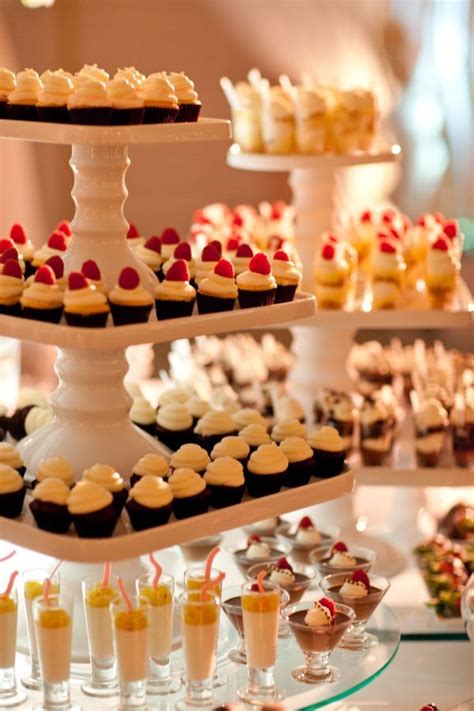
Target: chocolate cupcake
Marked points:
288	427
150	254
11	288
108	478
341	415
462	427
287	406
257	286
7	86
23	245
169	241
225	479
10	457
49	506
160	100
91	271
84	306
143	415
12	492
206	264
89	104
218	291
23	99
175	297
287	277
328	451
43	299
301	463
126	101
174	425
182	251
266	470
190	456
255	435
431	427
129	301
197	408
54	468
150	503
188	100
235	447
211	428
150	465
93	512
53	99
191	495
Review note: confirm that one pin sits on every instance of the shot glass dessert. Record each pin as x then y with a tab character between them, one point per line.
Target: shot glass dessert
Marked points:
339	558
97	598
258	549
304	537
10	696
131	635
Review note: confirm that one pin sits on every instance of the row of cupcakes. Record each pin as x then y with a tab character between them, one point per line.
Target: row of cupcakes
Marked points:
92	97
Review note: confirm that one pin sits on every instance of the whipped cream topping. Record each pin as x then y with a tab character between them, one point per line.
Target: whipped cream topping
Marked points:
138	296
85	301
190	456
36	418
288	427
285	273
352	588
92	71
308	536
42	296
141	412
132	75
56	468
152	492
7	82
342	559
10	456
174	291
225	471
203	270
268	459
57	88
27	89
373	411
174	417
53	491
173	395
149	257
44	253
431	414
183	88
215	422
235	447
296	449
255	435
151	465
123	94
10	480
318	616
106	476
197	407
186	482
89	92
217	285
282	576
11	290
287	406
248	416
258	550
254	281
87	497
158	90
326	439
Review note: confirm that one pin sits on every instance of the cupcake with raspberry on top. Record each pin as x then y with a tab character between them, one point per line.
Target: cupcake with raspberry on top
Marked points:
257	286
94	276
129	301
134	238
150	254
57	265
182	251
12	253
11	288
218	291
65	227
175	297
208	260
169	241
56	245
286	276
232	245
24	246
43	299
84	306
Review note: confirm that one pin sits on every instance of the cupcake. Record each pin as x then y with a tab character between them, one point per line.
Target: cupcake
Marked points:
188	100
143	415
84	306
441	274
462	427
266	470
54	468
207	263
287	277
431	427
90	104
225	479
91	71
36	418
12	492
182	251
255	435
174	425
231	246
248	416
218	291
126	101
235	447
129	301
134	238
197	408
175	297
92	508
190	456
161	102
64	226
132	75
242	258
191	495
9	456
11	253
150	254
49	506
57	265
11	288
43	299
169	241
328	450
150	503
149	465
17	422
341	415
173	395
301	463
23	99
94	276
56	245
376	433
24	247
257	286
212	427
108	478
288	427
7	86
53	99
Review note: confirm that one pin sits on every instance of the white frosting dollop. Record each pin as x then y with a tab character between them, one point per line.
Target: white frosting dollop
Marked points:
215	422
10	480
248	416
255	435
88	497
174	417
56	468
282	576
268	459
235	447
152	491
342	559
225	471
318	616
141	412
258	550
104	475
10	456
53	491
353	589
151	465
288	427
296	449
190	456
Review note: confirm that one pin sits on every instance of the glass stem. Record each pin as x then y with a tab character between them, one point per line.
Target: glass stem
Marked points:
200	693
56	696
35	669
317	663
262	681
158	671
132	694
356	631
103	672
7	682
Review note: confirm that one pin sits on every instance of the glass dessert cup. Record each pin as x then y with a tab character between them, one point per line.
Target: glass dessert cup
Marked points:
10	696
300	551
260	614
356	636
317	642
33	581
131	635
198	550
320	557
267	527
161	601
97	599
278	549
199	631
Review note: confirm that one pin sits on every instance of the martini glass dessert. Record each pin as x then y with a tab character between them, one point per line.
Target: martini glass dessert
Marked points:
258	549
339	558
305	536
363	593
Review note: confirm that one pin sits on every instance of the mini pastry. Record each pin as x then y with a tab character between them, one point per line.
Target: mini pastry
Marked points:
341	557
376	434
126	101
175	297
11	288
49	506
288	427
207	263
10	456
150	254
286	275
442	274
242	259
197	408
161	102
307	533
169	241
90	104
431	425
225	479
255	435
24	247
174	425
235	447
332	275
93	274
188	100
36	418
55	246
212	427
301	463
134	238
142	414
248	416
190	456
53	99
43	299
84	306
328	449
311	114
182	251
266	470
7	86
129	301
388	271
54	468
149	465
92	508
23	99
12	492
342	415
191	495
278	123
218	291
150	503
257	286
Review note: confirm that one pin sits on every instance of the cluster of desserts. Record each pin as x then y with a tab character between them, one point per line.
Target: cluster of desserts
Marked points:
309	118
92	97
32	411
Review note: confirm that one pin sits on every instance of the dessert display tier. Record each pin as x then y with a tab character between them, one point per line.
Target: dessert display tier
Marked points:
206	129
125	544
419	477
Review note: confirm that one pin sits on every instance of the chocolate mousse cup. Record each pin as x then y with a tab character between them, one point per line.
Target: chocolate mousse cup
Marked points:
425	457
377	432
300	551
304	577
463	444
278	549
320	557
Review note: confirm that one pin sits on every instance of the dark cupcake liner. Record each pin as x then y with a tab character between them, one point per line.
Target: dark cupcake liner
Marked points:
285	293
51	517
264	484
463	437
208	442
90	115
188	113
372	457
126	117
21	471
120	497
3	433
149	429
299	473
86	320
212	304
192	505
16	423
11	310
174	440
22	112
45	315
97	524
11	504
143	517
428	459
327	464
375	429
29	269
125	315
3	108
223	496
53	114
160	114
166	309
250	299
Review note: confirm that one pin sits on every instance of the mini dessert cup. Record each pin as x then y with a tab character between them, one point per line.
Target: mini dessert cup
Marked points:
356	636
97	599
10	696
321	556
317	641
300	550
272	550
131	636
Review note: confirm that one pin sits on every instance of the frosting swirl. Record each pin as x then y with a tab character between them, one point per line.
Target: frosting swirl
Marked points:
105	476
151	465
92	71
225	471
36	418
248	416
7	82
123	94
52	490
327	439
197	407
10	480
55	468
9	455
89	92
288	427
174	417
235	447
57	88
215	422
27	89
218	285
152	492
296	449
141	412
190	456
87	497
85	301
159	90
173	395
268	459
255	281
11	289
138	296
255	435
183	88
186	482
174	291
42	296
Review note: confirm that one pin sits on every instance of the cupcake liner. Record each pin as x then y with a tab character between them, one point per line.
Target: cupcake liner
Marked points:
86	320
149	429
123	315
427	459
11	504
208	442
327	464
120	497
188	113
53	114
51	517
285	293
126	117
174	440
90	115
3	108
29	269
45	315
96	524
22	112
264	484
173	309
160	114
249	299
12	310
223	496
299	473
143	517
191	505
211	304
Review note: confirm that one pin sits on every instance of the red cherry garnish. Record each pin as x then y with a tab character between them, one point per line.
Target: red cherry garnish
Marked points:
91	270
386	247
132	233
237	220
245	250
12	269
439	217
128	278
340	546
328	252
18	234
260	264
360	576
306	522
217	246
278	209
232	244
170	236
6	243
275	242
388	216
366	216
76	280
329	605
65	228
154	244
255	588
57	241
429	707
10	253
451	228
200	218
57	265
178	271
284	565
224	268
45	275
281	256
254	538
210	254
183	251
441	244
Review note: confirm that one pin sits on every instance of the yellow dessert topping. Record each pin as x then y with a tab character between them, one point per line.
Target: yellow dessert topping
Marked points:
161	595
99	596
34	589
7	604
261	602
202	614
197	584
54	619
131	621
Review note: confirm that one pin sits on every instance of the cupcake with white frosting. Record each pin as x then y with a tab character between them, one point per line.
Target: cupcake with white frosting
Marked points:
242	258
206	263
212	427
54	468
248	416
441	274
161	102
107	477
328	450
91	71
174	425
197	408
182	251
90	104
174	296
255	435
10	456
233	446
225	479
150	503
7	86
84	306
92	509
22	101
288	427
43	299
91	271
188	99
150	254
129	301
190	456
149	465
257	286
23	245
287	277
11	288
127	102
190	491
218	291
12	492
49	505
301	464
53	99
142	414
266	470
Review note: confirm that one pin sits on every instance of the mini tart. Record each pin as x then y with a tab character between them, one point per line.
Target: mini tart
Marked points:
43	299
84	306
160	100
266	470
142	414
225	478
287	277
175	297
190	456
10	457
49	506
149	465
12	492
107	477
257	286
191	495
328	449
23	99
92	509
129	301
150	503
188	100
301	463
174	425
54	468
11	288
218	291
211	428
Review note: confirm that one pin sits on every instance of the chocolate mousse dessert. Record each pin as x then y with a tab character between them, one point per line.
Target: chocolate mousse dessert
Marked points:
259	549
305	536
339	558
295	580
376	432
319	628
357	592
